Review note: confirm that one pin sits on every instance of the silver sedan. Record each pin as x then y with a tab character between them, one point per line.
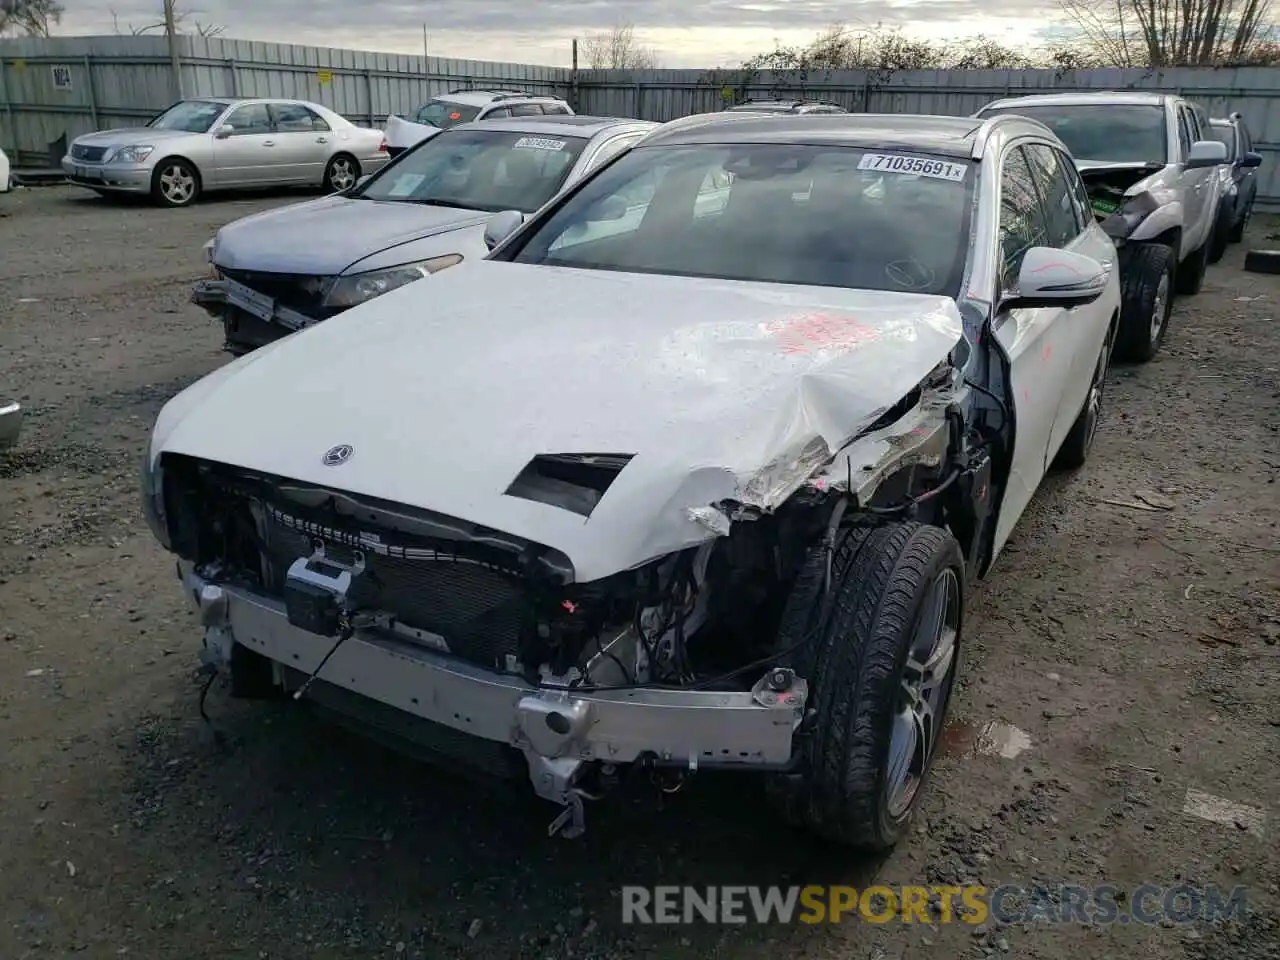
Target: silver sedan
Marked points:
217	143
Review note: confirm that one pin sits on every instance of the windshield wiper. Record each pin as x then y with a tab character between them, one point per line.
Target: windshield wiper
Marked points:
434	202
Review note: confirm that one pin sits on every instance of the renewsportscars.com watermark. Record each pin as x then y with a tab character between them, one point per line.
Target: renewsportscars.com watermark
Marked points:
1146	904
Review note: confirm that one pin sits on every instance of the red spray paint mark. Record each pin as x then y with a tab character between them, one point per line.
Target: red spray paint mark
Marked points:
806	332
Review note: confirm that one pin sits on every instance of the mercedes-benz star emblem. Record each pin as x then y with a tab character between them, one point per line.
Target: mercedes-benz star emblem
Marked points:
336	456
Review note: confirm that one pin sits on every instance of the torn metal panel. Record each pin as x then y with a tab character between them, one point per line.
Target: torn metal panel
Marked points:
722	390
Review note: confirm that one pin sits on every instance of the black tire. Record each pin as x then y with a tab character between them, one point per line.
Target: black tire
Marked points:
1217	243
855	661
1146	299
175	183
1189	277
1075	448
1262	261
341	173
1237	231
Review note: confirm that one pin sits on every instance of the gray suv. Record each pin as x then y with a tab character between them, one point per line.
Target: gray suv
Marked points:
1149	164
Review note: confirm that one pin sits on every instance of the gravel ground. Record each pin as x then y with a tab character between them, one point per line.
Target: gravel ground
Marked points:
1136	648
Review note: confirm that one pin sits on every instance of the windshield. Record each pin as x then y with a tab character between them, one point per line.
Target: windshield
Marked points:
445	114
480	170
1226	135
778	213
1110	132
191	116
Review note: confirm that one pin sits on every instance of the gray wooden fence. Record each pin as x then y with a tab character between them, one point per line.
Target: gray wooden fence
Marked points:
65	86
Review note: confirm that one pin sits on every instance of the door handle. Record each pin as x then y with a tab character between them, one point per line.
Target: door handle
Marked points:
268	143
322	139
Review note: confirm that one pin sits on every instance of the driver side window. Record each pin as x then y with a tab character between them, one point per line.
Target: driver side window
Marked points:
249	119
1022	222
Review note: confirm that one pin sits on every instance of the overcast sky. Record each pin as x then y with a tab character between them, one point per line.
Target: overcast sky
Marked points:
685	33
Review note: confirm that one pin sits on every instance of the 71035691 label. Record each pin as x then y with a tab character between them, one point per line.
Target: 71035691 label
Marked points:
917	166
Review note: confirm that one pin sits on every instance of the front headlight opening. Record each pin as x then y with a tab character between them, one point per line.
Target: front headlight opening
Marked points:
153	499
134	154
349	291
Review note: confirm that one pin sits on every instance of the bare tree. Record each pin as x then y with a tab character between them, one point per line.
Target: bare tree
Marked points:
617	49
183	20
29	17
1175	33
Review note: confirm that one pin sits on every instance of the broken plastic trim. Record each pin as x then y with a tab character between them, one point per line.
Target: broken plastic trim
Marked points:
570	481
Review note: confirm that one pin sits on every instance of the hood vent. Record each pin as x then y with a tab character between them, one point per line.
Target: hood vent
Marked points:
571	481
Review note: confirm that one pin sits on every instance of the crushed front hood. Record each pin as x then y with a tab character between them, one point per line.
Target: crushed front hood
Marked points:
323	237
721	390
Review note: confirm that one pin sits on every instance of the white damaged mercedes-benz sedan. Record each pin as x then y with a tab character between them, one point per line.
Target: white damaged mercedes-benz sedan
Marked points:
692	472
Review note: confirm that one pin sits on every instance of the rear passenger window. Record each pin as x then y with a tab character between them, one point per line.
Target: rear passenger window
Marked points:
557	109
525	110
1022	224
1062	222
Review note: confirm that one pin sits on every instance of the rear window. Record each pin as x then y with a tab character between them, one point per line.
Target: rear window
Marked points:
445	114
478	169
1110	132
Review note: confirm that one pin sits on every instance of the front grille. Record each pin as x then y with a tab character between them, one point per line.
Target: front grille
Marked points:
476	606
299	292
89	154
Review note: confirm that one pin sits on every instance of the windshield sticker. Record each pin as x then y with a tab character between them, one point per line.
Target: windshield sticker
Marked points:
455	115
537	143
405	184
918	166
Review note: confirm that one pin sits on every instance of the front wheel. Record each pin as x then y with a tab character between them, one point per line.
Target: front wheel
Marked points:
880	650
1190	273
341	174
1217	244
175	183
1146	298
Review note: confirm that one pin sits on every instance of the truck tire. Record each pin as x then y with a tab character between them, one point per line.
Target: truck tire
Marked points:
1190	273
1237	232
1262	261
1079	441
895	606
1217	243
1146	298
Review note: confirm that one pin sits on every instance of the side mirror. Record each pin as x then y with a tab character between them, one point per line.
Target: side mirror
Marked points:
500	226
1251	159
1057	278
1206	153
224	131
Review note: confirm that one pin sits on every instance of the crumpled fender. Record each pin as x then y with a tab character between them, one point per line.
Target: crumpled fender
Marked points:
1166	217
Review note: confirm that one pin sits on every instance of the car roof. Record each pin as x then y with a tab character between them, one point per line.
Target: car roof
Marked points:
561	125
949	136
1118	97
481	98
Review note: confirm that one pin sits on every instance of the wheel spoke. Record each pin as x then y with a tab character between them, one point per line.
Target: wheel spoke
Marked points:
902	751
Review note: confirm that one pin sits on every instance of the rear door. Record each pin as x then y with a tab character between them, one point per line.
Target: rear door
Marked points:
303	143
246	157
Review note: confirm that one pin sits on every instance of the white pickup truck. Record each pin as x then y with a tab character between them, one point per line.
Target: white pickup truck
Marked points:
464	106
1149	164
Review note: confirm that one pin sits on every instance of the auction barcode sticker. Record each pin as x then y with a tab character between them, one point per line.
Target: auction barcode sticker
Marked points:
538	143
919	166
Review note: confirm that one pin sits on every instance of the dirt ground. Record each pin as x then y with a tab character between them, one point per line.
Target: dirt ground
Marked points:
1135	648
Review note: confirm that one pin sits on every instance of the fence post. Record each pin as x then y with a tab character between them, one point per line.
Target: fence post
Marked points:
368	82
639	101
573	79
88	83
8	106
233	78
